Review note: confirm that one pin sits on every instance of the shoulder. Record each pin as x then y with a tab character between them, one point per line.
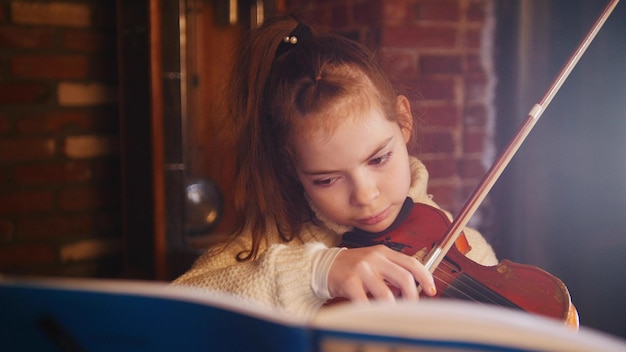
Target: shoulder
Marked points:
481	251
312	232
419	183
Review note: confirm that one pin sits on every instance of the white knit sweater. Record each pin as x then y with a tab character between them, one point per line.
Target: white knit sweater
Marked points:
281	275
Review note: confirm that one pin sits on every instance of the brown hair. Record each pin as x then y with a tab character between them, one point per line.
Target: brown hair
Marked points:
268	93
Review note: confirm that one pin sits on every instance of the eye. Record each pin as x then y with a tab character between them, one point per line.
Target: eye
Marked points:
381	159
325	182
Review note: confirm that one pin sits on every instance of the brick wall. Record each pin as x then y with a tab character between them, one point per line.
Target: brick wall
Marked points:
439	51
59	157
59	163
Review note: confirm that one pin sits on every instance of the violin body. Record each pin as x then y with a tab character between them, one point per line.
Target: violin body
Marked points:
507	284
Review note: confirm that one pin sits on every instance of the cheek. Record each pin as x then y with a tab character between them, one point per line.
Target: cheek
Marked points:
323	200
329	203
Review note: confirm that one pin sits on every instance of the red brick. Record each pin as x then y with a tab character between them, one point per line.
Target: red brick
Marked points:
471	168
449	64
57	226
438	142
26	149
5	123
25	255
440	10
475	87
441	116
87	41
444	195
90	146
52	173
23	93
367	12
79	199
312	3
437	88
474	142
399	64
441	168
50	66
318	16
55	122
5	176
50	13
473	38
22	202
420	36
395	11
339	16
102	120
26	37
7	230
474	64
476	11
88	198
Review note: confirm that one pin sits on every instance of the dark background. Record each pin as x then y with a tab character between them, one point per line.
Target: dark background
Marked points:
561	204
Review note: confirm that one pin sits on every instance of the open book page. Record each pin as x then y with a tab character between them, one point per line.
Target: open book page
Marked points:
452	325
118	315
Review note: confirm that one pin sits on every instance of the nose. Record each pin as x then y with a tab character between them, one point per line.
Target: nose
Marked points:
365	190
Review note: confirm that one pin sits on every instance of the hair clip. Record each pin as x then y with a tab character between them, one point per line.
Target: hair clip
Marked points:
301	32
291	39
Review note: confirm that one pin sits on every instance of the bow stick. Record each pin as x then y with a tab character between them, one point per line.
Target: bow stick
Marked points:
436	255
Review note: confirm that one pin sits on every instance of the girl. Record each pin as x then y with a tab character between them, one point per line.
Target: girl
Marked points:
322	149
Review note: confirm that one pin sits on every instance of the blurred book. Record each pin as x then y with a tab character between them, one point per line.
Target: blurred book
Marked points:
47	314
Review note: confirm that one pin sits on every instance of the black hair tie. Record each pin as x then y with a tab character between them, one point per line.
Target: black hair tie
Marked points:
301	32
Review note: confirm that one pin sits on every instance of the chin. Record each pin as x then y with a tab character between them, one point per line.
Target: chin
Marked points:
381	226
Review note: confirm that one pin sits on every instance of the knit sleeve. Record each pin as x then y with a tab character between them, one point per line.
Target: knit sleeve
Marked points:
280	277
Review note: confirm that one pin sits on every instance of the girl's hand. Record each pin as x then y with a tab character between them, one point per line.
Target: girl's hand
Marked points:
360	273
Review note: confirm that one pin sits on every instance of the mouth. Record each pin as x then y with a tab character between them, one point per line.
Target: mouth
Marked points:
375	219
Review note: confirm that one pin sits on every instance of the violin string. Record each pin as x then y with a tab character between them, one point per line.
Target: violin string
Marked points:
461	287
466	287
449	282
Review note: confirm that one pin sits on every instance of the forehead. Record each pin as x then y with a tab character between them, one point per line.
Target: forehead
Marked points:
324	124
342	137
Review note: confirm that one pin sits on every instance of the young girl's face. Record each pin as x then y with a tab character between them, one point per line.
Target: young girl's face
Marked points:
357	172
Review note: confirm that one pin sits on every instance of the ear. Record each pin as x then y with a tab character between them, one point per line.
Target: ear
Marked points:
405	118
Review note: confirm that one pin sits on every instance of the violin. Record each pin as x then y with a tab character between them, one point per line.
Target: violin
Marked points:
418	229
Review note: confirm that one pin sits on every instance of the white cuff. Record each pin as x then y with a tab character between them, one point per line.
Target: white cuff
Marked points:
321	266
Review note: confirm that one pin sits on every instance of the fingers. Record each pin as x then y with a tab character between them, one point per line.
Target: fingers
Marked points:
418	272
377	272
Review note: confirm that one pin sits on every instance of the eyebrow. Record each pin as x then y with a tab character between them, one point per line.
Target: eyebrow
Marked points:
380	147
